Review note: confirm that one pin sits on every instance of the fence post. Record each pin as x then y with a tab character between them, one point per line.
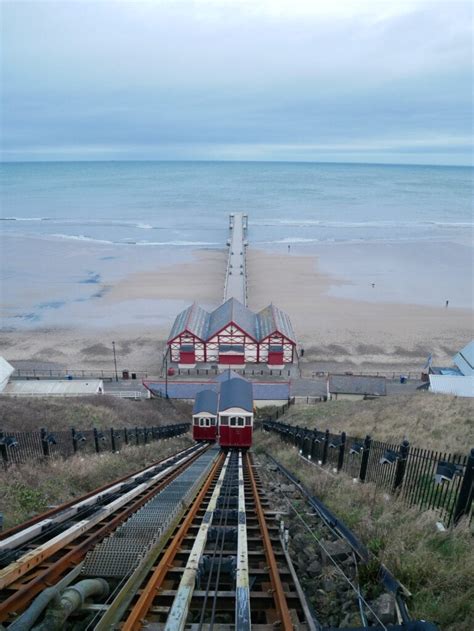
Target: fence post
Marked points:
464	503
44	442
401	465
96	441
325	447
137	435
112	440
74	440
365	458
3	450
145	429
342	447
125	435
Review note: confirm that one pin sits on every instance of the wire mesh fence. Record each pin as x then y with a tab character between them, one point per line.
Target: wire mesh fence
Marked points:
21	447
420	477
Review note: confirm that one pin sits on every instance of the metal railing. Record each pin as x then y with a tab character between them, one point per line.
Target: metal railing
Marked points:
423	478
21	447
65	373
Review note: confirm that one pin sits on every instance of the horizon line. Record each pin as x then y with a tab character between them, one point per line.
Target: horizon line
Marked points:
248	161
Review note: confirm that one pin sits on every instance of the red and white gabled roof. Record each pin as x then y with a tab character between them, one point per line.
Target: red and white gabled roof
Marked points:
203	325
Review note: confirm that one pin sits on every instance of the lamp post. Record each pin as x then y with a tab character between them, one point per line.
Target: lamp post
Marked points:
166	371
115	361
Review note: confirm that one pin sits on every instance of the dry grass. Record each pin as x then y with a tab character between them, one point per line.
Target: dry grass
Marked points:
30	488
437	568
431	421
87	412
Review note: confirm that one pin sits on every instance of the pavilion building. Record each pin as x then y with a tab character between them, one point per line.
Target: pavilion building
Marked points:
233	335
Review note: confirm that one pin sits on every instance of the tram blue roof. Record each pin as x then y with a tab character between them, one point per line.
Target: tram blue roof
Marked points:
205	401
236	393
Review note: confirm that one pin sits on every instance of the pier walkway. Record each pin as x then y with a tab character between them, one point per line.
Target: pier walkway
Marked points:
236	273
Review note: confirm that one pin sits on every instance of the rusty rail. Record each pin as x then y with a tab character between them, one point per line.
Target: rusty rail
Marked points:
280	599
26	588
140	609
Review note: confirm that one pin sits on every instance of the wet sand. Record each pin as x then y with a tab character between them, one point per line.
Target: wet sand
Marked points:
354	333
137	310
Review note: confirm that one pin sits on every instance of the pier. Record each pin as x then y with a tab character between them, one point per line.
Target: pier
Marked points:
236	274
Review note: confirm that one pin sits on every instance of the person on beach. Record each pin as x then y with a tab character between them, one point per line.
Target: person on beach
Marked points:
289	247
447	303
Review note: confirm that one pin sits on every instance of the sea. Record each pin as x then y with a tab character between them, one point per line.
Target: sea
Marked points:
186	204
124	209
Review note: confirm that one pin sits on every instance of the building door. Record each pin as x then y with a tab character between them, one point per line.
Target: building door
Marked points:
275	358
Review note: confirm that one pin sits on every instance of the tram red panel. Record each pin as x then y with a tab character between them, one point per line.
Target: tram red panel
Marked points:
205	433
235	436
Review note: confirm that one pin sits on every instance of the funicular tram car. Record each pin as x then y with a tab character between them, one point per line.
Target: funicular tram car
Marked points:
205	416
235	413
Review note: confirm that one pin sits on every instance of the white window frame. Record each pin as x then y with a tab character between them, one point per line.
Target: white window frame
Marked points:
237	421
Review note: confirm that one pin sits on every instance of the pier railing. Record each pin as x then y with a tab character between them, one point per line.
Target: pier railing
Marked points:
423	478
21	447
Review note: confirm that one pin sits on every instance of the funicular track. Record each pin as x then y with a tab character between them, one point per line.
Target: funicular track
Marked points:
225	567
205	546
41	553
200	549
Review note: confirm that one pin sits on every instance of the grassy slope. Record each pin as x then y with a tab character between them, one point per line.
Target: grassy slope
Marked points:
87	412
437	568
430	421
30	488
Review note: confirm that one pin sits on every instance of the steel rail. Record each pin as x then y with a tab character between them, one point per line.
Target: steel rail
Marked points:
385	577
25	592
180	607
218	553
6	534
144	602
279	594
242	590
42	552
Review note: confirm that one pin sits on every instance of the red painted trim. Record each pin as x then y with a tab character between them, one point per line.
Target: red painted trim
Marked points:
232	360
232	323
288	340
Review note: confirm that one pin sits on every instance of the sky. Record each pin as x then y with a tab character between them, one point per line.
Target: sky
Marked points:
304	80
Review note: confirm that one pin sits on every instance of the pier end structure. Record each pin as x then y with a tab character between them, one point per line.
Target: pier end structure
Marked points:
236	274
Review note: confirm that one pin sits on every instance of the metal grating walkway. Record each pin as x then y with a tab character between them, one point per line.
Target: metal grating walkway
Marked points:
118	555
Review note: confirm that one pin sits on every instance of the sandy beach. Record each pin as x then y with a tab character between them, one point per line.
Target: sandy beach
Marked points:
138	309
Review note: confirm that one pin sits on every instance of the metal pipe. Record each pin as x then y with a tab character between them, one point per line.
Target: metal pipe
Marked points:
71	599
29	617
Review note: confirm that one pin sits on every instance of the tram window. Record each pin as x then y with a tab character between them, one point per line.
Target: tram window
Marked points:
196	421
224	420
237	421
213	421
248	420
